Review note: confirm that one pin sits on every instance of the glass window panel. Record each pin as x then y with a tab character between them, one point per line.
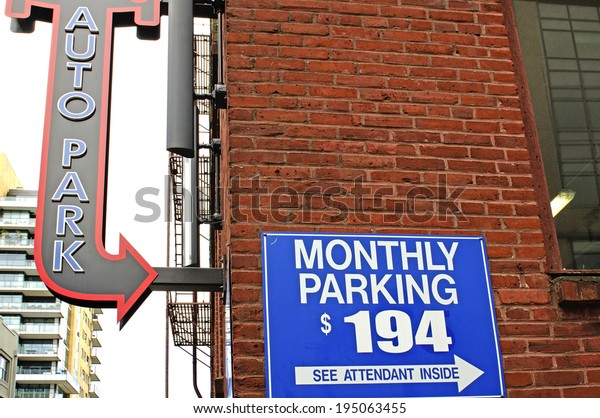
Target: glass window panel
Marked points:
556	24
592	94
566	64
589	65
591	79
586	193
580	246
559	44
564	79
587	261
11	298
567	94
15	214
588	44
33	392
12	257
583	12
9	319
553	10
577	168
573	136
575	152
586	26
3	368
569	115
11	277
594	108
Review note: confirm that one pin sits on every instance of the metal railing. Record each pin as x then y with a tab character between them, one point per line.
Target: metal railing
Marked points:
30	306
202	73
204	189
94	390
61	375
41	328
17	222
34	371
191	323
18	199
37	393
16	242
38	351
17	263
22	284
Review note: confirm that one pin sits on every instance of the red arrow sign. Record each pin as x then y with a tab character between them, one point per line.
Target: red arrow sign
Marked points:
69	241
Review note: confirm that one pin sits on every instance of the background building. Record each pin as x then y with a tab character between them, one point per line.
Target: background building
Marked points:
57	341
9	343
9	179
421	117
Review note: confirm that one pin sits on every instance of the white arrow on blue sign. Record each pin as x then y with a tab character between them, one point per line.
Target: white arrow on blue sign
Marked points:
349	315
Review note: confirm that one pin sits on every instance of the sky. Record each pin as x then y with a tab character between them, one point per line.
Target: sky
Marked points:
133	359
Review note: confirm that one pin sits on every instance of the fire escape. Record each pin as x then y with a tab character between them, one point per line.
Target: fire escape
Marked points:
195	194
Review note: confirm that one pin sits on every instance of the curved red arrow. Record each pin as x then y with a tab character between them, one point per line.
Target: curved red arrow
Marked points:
69	246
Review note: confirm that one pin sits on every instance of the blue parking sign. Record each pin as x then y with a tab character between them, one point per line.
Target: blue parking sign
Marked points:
365	316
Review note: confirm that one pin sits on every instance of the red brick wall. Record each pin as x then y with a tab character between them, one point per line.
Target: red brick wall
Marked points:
392	116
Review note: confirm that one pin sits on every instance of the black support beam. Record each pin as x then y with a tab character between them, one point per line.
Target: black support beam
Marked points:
190	279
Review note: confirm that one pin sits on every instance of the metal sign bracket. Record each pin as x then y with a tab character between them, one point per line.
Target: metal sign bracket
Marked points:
188	279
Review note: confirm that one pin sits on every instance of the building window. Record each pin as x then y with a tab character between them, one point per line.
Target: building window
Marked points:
15	214
38	347
560	42
11	279
35	391
37	367
4	363
11	301
13	322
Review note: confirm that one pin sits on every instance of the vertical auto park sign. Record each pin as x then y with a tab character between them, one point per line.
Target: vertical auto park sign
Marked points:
349	315
69	243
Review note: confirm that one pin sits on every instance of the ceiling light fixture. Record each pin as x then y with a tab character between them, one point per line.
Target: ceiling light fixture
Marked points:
562	199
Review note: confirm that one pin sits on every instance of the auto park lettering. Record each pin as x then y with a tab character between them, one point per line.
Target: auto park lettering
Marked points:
68	216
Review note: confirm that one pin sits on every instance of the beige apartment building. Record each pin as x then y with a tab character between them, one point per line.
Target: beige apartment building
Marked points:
56	353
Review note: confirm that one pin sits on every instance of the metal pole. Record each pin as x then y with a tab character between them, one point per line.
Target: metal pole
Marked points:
168	201
167	347
180	83
195	343
220	46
